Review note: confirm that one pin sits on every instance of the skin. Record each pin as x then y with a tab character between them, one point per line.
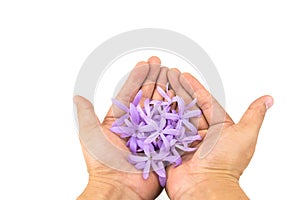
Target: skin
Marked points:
208	173
105	182
216	175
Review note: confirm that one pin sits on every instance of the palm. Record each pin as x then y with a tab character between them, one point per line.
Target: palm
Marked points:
224	159
192	166
132	179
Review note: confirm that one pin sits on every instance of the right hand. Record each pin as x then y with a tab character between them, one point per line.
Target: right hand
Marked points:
213	171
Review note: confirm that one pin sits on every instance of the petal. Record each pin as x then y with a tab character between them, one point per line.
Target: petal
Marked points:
155	110
180	146
146	170
162	181
166	142
192	113
179	125
147	106
167	87
187	149
122	130
171	116
140	165
192	138
146	128
141	136
163	93
151	138
137	158
171	132
178	162
160	155
162	123
140	143
190	105
162	166
134	115
137	98
132	144
189	126
172	142
169	137
159	170
146	118
166	104
155	102
120	105
159	144
175	152
156	117
120	120
171	159
140	110
148	149
181	105
190	149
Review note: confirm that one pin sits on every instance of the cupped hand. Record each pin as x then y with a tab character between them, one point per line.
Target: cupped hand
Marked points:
213	171
105	153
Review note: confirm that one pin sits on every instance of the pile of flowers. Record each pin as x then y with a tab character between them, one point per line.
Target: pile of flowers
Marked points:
158	133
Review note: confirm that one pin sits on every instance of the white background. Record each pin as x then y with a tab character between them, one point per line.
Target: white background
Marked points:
255	46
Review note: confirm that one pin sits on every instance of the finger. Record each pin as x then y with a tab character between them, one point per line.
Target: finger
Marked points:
173	77
212	110
254	116
87	118
161	82
133	83
149	84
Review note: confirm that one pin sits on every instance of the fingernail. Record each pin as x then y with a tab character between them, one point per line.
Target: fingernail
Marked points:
176	70
269	102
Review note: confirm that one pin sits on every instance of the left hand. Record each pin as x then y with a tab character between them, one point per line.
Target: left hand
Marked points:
102	148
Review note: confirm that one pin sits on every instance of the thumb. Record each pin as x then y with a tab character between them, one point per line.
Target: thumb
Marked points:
87	119
254	115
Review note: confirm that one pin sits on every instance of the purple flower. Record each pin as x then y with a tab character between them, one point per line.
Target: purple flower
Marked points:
182	141
184	114
134	128
156	134
152	159
135	102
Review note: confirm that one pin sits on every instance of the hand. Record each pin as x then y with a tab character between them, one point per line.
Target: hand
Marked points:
105	153
213	171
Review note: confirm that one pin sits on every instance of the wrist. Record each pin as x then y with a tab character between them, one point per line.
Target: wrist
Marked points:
213	188
98	188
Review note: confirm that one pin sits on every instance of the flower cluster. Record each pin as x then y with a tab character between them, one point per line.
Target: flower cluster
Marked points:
157	134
